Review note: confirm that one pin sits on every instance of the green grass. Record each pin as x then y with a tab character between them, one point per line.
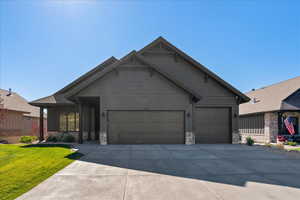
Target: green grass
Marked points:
296	149
24	166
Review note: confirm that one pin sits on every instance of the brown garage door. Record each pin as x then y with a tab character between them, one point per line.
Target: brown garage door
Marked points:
145	127
212	125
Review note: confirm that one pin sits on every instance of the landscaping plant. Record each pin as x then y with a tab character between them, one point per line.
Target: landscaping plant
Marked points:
249	141
291	143
61	137
28	139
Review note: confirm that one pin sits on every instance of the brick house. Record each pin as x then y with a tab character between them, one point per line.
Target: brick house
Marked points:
263	117
17	117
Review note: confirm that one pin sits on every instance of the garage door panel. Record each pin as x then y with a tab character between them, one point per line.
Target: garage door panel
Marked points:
212	125
146	127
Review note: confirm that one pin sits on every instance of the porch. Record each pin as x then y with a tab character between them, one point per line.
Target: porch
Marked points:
82	119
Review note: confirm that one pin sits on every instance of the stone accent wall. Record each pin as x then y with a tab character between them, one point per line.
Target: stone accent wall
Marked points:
236	137
271	127
85	135
189	138
103	138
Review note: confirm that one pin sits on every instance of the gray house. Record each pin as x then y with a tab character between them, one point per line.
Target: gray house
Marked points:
263	117
155	95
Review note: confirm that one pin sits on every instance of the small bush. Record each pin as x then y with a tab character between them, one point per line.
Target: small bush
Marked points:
249	141
68	138
28	139
291	143
61	137
52	138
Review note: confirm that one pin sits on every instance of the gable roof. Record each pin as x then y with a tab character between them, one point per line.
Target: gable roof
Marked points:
88	74
199	66
271	98
131	55
16	102
59	97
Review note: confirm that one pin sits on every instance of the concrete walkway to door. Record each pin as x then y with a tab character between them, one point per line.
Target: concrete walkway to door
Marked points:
175	172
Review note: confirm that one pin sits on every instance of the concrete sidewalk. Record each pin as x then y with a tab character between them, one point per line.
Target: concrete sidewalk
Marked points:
154	172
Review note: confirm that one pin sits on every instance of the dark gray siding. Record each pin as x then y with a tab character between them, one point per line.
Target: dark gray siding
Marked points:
134	86
53	116
294	100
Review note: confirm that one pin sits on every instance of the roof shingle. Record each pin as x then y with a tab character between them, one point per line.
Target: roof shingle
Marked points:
270	98
18	103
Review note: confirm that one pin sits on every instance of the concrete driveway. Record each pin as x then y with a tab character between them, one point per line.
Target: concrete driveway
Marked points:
175	172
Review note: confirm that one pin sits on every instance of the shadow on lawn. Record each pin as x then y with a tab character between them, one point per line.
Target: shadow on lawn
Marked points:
67	146
73	156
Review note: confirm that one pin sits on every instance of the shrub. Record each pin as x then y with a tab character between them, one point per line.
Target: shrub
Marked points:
52	138
68	138
292	143
249	141
61	137
28	139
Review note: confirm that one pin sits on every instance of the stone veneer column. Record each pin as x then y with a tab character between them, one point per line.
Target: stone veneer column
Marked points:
236	137
189	135
189	138
103	138
271	127
235	134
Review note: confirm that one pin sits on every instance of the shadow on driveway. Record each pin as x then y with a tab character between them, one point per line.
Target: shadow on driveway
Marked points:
227	164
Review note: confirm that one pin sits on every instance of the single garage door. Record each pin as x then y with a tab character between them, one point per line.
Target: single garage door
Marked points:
145	127
212	125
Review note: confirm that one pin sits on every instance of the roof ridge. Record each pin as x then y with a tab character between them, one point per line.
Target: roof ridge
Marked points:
273	84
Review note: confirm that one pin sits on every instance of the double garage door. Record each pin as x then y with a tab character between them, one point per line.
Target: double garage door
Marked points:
146	127
211	125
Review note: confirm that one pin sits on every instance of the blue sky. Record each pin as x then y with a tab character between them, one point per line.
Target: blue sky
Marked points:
47	44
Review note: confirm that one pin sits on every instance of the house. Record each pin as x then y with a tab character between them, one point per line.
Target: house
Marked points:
155	95
263	117
17	117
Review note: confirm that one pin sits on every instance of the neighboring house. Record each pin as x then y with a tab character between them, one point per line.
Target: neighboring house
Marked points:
156	95
263	117
17	117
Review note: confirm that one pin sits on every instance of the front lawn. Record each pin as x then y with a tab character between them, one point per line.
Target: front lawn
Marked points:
24	166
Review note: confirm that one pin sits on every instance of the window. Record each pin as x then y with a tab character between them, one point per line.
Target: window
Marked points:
63	122
69	121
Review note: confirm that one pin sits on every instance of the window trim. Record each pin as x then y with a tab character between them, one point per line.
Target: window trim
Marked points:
66	120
